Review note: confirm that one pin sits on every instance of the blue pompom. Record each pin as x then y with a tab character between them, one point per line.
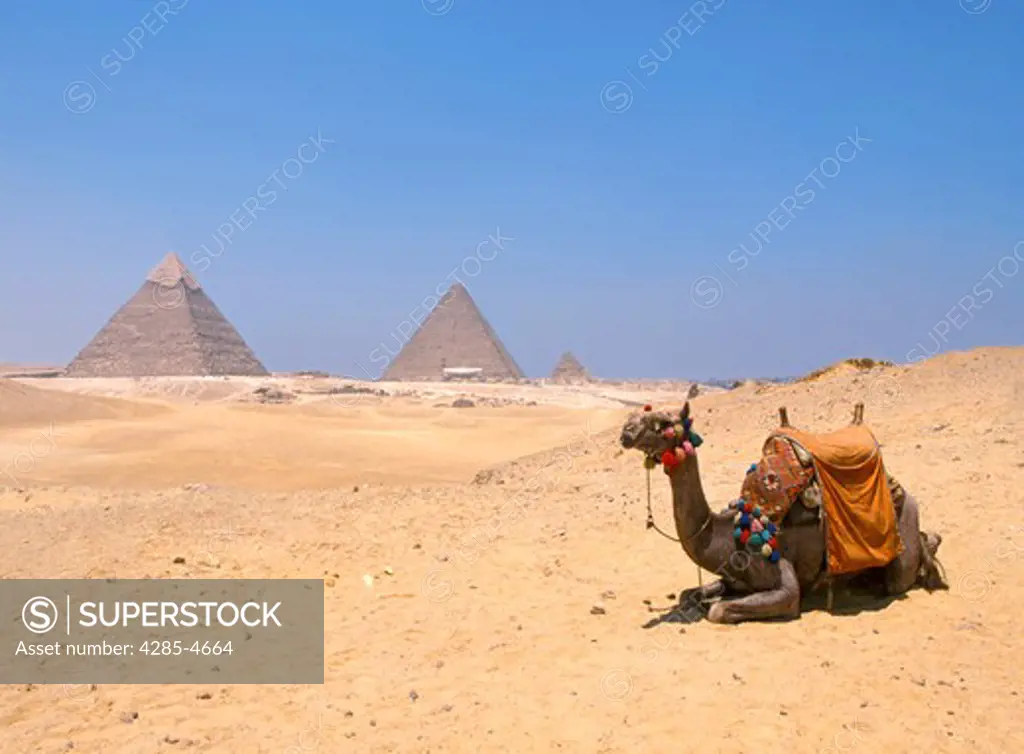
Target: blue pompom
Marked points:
755	540
771	528
752	469
774	557
745	520
757	511
737	533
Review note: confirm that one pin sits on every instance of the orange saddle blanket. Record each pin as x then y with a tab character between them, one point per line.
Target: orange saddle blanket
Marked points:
860	520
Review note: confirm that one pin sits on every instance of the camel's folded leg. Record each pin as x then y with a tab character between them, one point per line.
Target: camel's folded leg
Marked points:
783	602
704	593
901	574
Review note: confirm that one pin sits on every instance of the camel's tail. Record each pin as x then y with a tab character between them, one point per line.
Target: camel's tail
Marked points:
930	574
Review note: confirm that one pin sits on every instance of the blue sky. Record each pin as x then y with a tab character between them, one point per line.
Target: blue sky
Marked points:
451	121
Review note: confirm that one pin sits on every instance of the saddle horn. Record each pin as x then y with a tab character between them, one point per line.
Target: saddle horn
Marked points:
783	417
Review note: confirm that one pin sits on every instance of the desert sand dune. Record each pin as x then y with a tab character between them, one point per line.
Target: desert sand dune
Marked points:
23	405
488	614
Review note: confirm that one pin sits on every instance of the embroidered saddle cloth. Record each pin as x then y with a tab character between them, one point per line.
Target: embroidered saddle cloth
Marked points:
856	493
777	480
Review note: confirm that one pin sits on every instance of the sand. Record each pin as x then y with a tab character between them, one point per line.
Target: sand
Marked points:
496	637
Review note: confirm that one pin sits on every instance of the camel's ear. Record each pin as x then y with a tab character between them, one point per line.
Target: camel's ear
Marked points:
685	413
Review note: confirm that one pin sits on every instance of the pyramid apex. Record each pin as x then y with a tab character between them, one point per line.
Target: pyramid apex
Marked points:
172	271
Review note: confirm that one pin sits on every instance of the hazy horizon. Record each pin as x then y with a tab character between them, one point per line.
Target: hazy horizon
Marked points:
669	191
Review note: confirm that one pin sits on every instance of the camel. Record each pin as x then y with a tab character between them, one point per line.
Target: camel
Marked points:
754	587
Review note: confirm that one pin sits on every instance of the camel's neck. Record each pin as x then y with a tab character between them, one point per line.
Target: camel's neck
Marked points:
696	525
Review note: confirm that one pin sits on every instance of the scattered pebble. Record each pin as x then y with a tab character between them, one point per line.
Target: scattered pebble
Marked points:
608	594
204	695
413	696
598	609
129	717
179	560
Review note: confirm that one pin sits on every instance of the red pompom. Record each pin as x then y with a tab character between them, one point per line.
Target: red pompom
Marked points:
773	543
669	459
744	508
648	407
744	536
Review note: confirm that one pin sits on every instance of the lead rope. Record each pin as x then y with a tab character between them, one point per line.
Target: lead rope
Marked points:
652	525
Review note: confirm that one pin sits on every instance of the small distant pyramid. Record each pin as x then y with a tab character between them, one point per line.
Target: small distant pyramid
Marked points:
170	327
454	335
569	369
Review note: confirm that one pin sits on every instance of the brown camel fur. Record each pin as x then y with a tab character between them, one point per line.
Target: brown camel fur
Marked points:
751	587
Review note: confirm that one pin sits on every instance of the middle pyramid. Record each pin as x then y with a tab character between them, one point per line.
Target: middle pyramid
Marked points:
454	336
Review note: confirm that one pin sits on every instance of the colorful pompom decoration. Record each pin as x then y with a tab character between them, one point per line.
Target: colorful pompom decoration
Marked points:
754	530
752	469
688	448
669	459
648	407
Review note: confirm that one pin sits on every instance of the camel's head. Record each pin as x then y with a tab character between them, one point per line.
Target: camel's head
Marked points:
654	432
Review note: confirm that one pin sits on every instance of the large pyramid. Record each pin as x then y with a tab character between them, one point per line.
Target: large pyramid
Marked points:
169	327
569	369
454	335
